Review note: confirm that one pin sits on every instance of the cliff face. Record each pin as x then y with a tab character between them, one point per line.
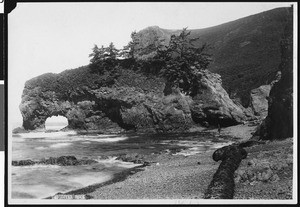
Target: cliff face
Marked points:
129	101
259	100
279	122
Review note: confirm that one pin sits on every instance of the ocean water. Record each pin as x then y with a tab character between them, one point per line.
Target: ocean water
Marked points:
41	181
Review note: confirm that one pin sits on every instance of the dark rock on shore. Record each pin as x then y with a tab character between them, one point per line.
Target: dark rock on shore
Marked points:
135	158
23	163
19	130
62	161
279	122
222	184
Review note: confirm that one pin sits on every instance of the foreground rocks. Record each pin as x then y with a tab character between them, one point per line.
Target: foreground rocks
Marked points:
267	172
62	161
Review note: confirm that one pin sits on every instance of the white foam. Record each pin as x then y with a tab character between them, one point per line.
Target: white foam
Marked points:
41	148
200	147
46	134
37	191
188	153
35	166
87	142
112	161
219	145
116	139
89	179
70	136
60	145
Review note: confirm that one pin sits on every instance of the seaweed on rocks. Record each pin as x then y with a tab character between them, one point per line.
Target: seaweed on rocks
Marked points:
62	161
222	184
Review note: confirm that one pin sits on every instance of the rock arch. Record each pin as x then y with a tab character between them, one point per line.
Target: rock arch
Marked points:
129	105
56	123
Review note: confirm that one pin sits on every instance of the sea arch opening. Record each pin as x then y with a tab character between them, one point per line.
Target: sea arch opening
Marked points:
56	123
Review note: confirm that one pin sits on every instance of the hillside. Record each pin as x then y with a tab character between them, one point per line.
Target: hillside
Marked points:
246	52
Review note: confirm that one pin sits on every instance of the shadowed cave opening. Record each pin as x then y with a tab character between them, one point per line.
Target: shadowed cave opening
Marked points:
56	123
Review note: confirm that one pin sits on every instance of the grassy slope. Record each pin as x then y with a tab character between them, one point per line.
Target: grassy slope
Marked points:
246	52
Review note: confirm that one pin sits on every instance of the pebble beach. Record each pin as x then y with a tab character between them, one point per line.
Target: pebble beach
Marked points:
178	176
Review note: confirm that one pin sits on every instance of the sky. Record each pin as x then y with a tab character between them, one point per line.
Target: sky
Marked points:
53	37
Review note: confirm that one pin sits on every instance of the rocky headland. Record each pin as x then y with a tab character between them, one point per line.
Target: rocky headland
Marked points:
131	101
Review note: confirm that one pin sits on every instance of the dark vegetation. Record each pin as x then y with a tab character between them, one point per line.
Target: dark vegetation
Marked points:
178	62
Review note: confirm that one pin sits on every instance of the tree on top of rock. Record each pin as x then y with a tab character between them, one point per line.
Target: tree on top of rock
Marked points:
184	61
130	50
97	54
111	52
104	58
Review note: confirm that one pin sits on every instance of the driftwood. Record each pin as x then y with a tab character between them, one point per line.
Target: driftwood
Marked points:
222	184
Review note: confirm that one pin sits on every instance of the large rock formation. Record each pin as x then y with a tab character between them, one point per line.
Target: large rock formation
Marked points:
125	100
259	100
279	122
213	105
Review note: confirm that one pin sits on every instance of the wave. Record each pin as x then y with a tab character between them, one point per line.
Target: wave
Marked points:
200	147
33	135
113	161
59	145
69	136
96	139
89	178
35	166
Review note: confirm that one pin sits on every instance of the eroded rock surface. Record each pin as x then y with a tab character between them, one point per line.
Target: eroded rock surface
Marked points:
129	101
213	105
259	100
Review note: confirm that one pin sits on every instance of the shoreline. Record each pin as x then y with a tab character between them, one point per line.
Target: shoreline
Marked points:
175	176
90	192
117	177
187	177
